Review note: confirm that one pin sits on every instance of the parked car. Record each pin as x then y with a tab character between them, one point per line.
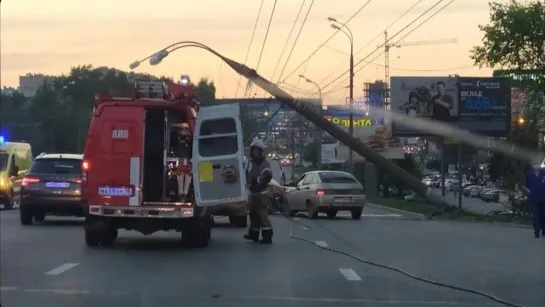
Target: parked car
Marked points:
327	192
491	196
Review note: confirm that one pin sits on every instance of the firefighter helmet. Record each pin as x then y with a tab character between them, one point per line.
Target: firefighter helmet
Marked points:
259	144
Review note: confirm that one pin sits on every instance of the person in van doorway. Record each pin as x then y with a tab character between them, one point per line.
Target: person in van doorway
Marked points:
535	186
259	176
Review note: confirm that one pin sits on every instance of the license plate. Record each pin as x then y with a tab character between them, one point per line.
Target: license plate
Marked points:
342	199
110	191
57	184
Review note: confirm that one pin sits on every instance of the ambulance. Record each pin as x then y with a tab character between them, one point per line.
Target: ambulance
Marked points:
15	160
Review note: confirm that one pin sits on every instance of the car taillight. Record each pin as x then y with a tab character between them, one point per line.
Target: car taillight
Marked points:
28	180
85	166
320	192
77	181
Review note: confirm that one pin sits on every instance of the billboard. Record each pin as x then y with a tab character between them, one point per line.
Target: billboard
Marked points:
484	105
428	97
373	131
479	105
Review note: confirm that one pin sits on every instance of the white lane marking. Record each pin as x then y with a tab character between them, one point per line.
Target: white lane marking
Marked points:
61	269
350	274
296	218
382	215
305	227
59	291
321	243
9	288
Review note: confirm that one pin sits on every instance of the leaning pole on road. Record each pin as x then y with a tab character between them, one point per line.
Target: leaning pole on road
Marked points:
382	163
300	107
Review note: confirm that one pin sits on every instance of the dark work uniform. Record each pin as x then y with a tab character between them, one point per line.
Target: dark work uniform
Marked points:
440	112
259	176
536	199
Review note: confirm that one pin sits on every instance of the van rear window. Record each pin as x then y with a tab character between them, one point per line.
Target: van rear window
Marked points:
336	177
56	166
218	126
220	146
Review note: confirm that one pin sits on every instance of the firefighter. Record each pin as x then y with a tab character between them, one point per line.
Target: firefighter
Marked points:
259	176
535	187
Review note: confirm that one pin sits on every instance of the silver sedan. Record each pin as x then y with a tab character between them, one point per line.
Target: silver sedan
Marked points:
328	192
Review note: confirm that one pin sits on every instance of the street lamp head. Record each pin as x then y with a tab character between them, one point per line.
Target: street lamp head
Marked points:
158	57
301	76
134	64
334	26
331	19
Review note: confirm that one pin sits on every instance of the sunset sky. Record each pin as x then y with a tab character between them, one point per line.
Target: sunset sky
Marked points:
49	37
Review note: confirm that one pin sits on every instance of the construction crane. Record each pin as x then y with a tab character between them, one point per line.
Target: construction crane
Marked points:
387	47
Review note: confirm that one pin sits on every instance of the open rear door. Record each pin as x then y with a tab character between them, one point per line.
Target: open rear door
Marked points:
218	153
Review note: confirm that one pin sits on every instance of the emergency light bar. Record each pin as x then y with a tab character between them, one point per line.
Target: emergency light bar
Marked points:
151	89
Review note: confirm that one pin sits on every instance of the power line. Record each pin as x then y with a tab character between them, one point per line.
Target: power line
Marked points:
407	69
327	40
383	44
295	42
288	39
377	36
250	45
249	87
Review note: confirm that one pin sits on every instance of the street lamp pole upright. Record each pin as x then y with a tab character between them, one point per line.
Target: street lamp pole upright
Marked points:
337	25
319	133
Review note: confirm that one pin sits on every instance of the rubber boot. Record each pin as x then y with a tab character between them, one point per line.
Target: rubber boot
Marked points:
252	235
267	236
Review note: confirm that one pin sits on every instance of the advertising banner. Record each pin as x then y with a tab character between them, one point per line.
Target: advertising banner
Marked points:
373	131
484	105
428	97
475	104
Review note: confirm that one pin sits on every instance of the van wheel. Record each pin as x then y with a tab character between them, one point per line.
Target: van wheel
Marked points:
92	237
8	202
197	235
239	221
40	217
25	216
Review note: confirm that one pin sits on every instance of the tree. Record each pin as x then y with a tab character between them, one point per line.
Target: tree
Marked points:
311	152
205	92
514	37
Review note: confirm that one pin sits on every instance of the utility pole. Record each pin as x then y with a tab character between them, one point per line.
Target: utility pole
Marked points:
342	27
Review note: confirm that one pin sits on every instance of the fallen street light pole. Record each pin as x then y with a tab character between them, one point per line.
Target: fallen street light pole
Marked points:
300	107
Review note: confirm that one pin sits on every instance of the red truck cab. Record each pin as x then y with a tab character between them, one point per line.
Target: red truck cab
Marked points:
132	165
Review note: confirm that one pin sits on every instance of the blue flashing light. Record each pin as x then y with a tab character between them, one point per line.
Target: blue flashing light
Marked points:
2	139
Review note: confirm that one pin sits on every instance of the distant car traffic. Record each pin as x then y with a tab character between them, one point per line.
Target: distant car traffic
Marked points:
52	186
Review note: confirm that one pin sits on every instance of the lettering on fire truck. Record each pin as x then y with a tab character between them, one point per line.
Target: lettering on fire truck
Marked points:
120	134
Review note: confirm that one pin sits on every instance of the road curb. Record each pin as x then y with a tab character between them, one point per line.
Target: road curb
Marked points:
415	215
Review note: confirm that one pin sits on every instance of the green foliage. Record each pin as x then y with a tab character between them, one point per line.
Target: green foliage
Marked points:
514	37
434	165
205	92
409	165
311	152
57	117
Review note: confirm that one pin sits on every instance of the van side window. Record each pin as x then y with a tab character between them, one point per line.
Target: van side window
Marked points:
221	145
218	126
13	170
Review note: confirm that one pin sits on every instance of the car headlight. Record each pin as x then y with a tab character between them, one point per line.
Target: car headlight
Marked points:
3	182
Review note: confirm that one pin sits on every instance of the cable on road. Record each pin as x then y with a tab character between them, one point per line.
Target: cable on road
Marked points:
383	44
327	40
397	270
398	40
376	37
251	41
295	42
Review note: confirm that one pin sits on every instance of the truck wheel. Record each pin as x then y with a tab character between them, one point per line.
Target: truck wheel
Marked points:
239	221
40	217
92	237
25	216
197	235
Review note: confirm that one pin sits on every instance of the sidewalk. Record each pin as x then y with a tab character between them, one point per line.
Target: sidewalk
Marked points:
475	205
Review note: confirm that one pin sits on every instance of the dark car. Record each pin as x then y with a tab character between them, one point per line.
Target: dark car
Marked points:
52	186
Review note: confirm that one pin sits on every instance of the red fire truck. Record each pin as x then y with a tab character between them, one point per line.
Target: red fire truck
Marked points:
151	163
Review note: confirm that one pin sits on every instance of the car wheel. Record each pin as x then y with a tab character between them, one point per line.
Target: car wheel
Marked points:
356	213
311	210
40	217
25	216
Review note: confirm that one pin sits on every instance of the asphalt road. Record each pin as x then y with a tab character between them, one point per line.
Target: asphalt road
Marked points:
48	265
